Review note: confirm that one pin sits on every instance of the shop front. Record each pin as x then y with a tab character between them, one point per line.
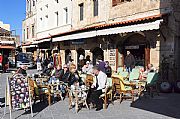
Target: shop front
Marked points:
110	42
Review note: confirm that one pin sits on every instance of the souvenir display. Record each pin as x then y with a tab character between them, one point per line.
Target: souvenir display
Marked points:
19	92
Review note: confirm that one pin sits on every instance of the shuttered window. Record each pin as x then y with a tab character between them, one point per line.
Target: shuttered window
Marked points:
81	8
95	3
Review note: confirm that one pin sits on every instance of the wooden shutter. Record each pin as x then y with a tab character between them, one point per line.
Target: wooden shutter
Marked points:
147	56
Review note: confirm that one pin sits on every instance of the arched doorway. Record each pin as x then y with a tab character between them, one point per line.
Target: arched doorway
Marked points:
67	56
98	53
80	55
138	46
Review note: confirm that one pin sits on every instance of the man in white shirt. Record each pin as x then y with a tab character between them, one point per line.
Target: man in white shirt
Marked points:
98	85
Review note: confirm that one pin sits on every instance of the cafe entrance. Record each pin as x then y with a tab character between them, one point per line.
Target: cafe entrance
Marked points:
139	48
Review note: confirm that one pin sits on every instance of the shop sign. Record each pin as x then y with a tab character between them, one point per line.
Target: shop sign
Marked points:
78	42
132	47
112	57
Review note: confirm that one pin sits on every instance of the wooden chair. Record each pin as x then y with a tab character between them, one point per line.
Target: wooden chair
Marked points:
55	91
108	94
38	92
152	85
124	90
89	80
120	69
134	75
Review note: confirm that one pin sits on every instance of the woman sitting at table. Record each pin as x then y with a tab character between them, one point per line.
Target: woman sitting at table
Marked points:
74	77
55	75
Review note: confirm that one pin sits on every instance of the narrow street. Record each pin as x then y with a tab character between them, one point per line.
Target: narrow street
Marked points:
165	106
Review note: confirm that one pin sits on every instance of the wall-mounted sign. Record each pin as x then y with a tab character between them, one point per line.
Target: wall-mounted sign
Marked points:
78	42
132	47
112	56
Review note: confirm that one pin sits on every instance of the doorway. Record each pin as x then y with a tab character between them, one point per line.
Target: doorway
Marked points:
67	56
80	58
98	54
139	48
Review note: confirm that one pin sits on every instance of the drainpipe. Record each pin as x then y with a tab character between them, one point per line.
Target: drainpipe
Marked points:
71	14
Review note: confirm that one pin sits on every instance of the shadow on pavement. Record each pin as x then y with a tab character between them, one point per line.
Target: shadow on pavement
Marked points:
165	104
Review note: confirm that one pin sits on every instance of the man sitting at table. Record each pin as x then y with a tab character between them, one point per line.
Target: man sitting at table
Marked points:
98	87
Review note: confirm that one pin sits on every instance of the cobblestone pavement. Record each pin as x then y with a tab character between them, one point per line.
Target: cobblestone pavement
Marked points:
165	106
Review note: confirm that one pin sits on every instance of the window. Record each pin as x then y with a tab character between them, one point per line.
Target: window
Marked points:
95	3
81	8
57	1
32	31
57	18
27	33
33	2
46	6
116	2
66	15
24	34
46	20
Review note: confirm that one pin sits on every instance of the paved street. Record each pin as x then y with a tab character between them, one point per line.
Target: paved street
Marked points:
165	106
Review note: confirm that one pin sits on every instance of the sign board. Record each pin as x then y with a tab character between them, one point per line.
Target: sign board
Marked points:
78	42
112	56
18	93
132	47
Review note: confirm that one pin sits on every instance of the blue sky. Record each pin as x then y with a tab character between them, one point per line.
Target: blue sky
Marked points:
13	12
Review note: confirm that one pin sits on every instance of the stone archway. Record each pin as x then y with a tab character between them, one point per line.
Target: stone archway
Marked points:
80	54
67	56
98	54
138	45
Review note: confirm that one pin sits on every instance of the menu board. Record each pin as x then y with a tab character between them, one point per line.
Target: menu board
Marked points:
19	92
112	56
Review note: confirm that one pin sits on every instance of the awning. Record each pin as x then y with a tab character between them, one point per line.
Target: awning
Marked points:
7	42
131	28
88	34
6	47
40	41
30	46
115	30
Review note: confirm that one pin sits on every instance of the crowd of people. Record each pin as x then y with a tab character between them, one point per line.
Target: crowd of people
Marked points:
69	74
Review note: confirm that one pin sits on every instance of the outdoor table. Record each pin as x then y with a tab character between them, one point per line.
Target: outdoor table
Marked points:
80	97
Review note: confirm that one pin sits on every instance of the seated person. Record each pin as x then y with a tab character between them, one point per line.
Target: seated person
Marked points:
87	68
149	68
47	71
64	74
98	88
22	70
55	75
108	69
74	76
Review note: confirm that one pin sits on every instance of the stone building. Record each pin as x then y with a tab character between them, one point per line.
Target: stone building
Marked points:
29	27
108	28
7	43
